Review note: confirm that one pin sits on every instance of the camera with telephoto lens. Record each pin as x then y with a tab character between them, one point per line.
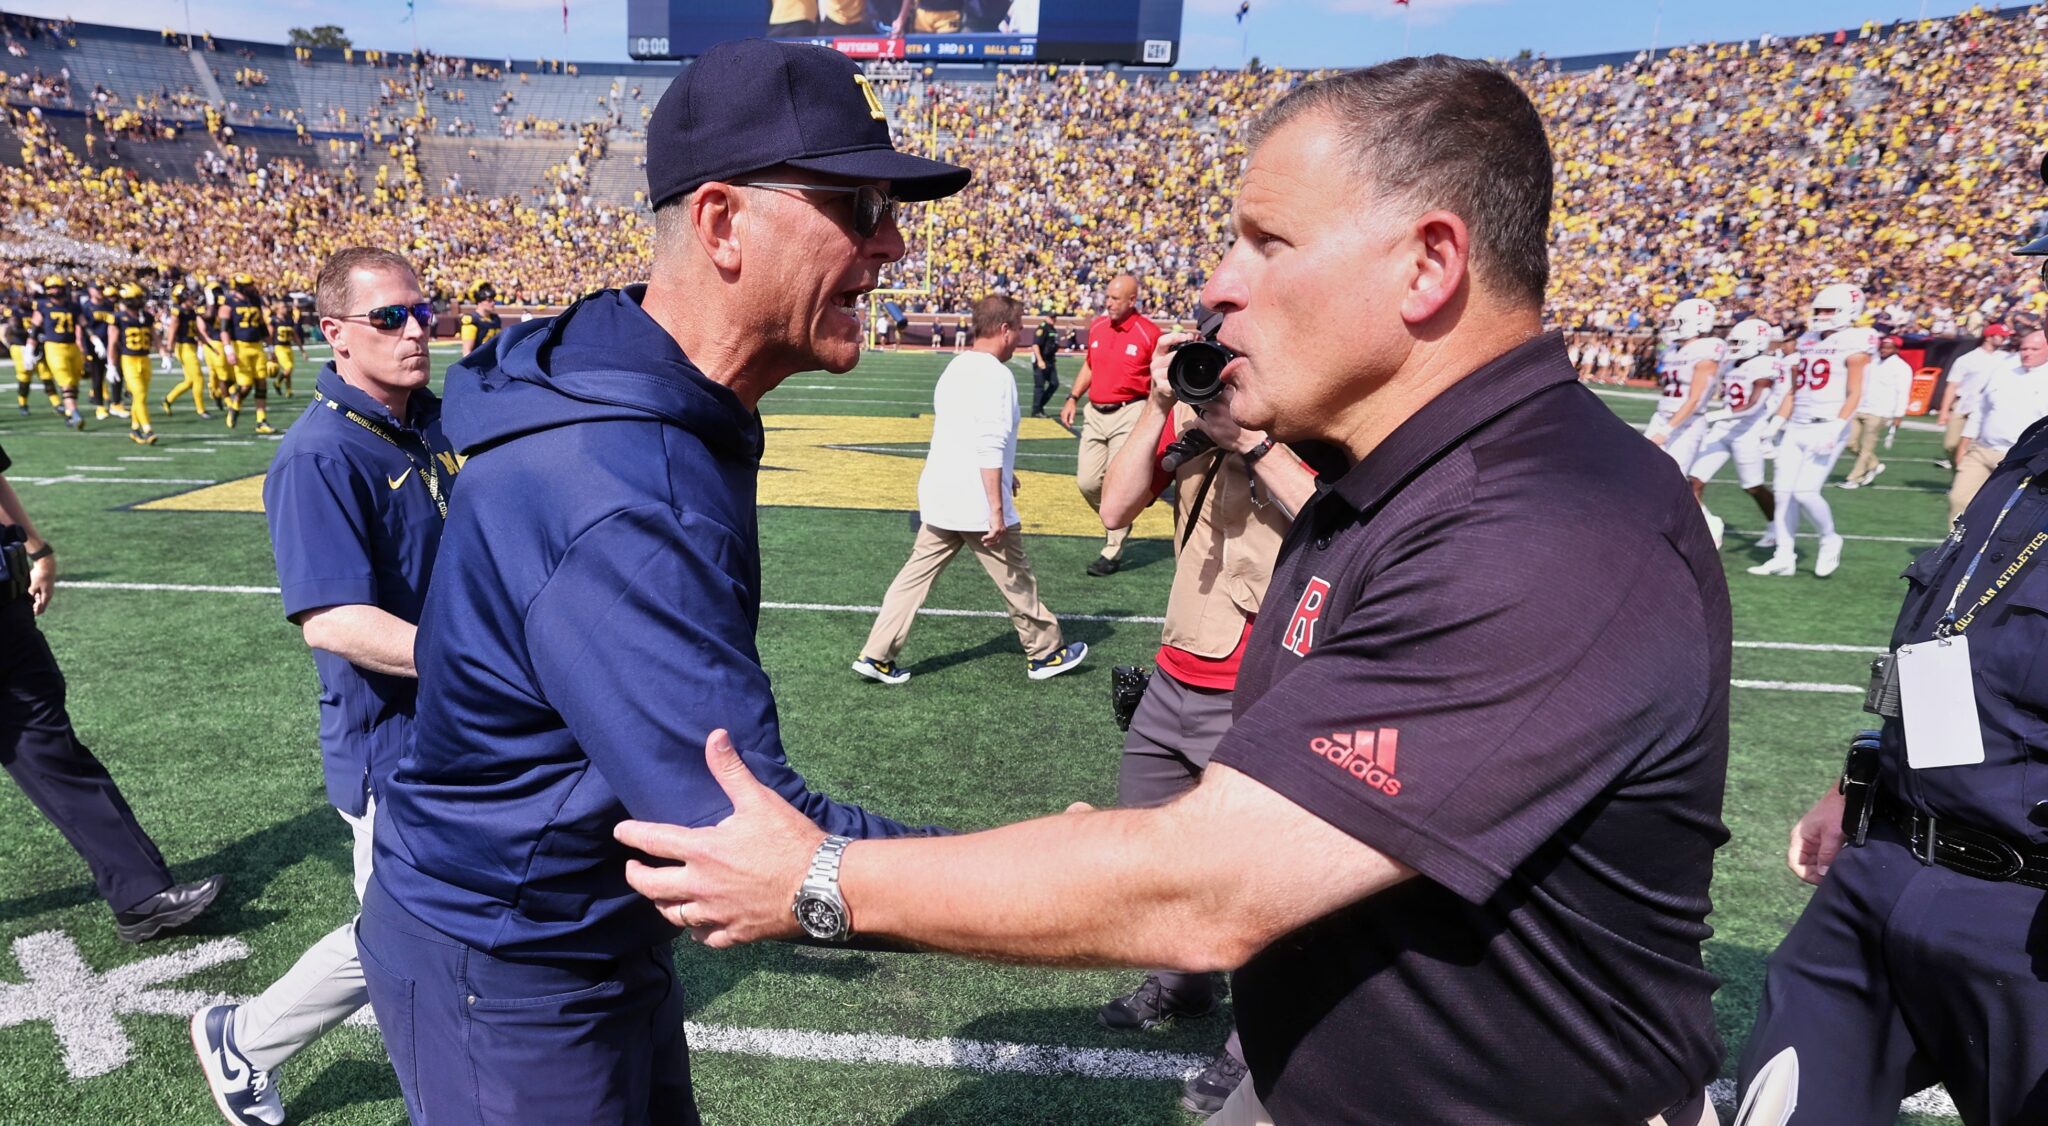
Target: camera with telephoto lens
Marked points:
1196	370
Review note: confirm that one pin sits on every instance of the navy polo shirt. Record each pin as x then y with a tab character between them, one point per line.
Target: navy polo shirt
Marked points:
2007	793
353	523
1497	650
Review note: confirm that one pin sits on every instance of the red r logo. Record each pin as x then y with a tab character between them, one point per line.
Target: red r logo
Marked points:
1301	629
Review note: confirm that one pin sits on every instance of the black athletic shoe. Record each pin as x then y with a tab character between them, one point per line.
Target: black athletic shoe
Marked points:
1205	1093
167	910
1151	1005
1104	565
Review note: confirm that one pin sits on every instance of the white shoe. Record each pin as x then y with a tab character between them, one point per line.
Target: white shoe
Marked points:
1716	526
1851	483
1872	475
1777	565
245	1095
1830	558
1768	539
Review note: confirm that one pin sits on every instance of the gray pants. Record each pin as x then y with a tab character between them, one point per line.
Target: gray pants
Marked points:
322	989
1173	733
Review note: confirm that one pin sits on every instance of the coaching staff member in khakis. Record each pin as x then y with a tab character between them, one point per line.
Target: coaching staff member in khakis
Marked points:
356	500
1457	843
1232	506
599	587
55	771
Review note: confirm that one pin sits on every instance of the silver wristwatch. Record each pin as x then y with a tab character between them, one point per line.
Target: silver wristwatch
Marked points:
819	909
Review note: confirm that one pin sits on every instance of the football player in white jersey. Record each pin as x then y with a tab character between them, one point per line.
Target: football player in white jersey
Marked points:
1686	376
1749	398
1827	384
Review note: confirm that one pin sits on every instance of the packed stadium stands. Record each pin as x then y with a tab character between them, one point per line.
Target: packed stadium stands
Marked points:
1896	156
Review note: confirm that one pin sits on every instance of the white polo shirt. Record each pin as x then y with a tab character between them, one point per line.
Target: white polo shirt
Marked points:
2010	402
974	427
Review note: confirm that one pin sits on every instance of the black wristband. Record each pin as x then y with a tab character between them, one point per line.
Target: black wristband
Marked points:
1252	456
45	553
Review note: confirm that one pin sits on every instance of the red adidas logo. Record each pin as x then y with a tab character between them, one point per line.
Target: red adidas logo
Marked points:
1367	755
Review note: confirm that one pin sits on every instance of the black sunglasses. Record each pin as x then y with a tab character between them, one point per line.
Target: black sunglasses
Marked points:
388	317
872	206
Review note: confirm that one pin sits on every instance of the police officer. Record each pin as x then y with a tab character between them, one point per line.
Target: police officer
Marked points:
1919	959
1045	369
356	499
42	753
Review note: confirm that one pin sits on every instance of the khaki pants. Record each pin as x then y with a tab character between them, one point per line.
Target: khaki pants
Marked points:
1866	435
1952	434
1971	473
1102	435
1037	630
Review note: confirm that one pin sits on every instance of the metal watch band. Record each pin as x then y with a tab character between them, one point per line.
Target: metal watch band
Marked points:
825	862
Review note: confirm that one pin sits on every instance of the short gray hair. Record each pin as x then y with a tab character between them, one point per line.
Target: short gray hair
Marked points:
1445	132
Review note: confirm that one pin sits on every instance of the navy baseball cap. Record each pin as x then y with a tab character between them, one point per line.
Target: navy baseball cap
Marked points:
754	103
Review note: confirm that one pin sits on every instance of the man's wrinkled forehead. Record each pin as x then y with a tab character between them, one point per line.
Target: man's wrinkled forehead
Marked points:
1303	166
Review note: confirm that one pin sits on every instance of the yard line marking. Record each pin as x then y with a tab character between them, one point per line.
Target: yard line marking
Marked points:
922	450
1933	1101
944	612
1798	686
985	1056
75	479
842	402
1805	647
132	458
182	588
1932	490
97	468
1929	540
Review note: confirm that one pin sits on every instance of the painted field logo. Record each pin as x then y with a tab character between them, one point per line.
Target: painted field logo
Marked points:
1301	629
1366	755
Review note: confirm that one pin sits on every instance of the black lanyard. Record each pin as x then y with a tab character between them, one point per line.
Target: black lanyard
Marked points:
428	475
1950	624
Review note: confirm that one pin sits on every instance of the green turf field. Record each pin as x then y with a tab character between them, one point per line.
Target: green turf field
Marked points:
202	704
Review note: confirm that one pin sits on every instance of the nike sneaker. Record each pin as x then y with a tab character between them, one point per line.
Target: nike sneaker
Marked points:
885	672
1064	660
245	1094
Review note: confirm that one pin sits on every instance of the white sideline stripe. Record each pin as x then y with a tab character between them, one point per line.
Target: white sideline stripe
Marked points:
837	400
1798	686
942	612
1931	490
97	468
923	450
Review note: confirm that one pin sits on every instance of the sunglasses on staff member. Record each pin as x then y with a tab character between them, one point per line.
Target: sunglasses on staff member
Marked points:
872	206
388	317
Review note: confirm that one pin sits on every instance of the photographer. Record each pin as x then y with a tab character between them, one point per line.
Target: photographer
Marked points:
1235	492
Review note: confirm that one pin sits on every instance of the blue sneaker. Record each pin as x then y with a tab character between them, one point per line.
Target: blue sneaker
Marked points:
245	1095
1045	668
75	420
887	672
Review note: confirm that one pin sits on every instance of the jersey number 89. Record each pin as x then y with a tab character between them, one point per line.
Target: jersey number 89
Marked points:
1811	375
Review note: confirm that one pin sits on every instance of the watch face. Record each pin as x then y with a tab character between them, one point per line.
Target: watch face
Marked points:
820	917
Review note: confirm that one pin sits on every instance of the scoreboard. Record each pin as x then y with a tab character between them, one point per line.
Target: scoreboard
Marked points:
1141	32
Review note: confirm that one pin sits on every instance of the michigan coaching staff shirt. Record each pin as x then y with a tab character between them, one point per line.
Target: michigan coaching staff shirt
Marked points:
1497	651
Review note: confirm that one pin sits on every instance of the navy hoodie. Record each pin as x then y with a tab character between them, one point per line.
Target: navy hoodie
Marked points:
591	621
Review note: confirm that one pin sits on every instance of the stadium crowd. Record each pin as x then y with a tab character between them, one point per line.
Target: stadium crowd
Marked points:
1897	157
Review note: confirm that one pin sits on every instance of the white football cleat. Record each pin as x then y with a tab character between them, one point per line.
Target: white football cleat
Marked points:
1830	558
1777	565
1716	526
1768	539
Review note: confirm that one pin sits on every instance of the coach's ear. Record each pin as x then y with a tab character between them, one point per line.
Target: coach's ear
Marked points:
1439	252
712	211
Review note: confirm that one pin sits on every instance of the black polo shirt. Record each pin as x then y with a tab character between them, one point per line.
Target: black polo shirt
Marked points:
1497	651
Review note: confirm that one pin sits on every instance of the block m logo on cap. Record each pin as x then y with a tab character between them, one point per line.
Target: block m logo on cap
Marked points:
867	90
